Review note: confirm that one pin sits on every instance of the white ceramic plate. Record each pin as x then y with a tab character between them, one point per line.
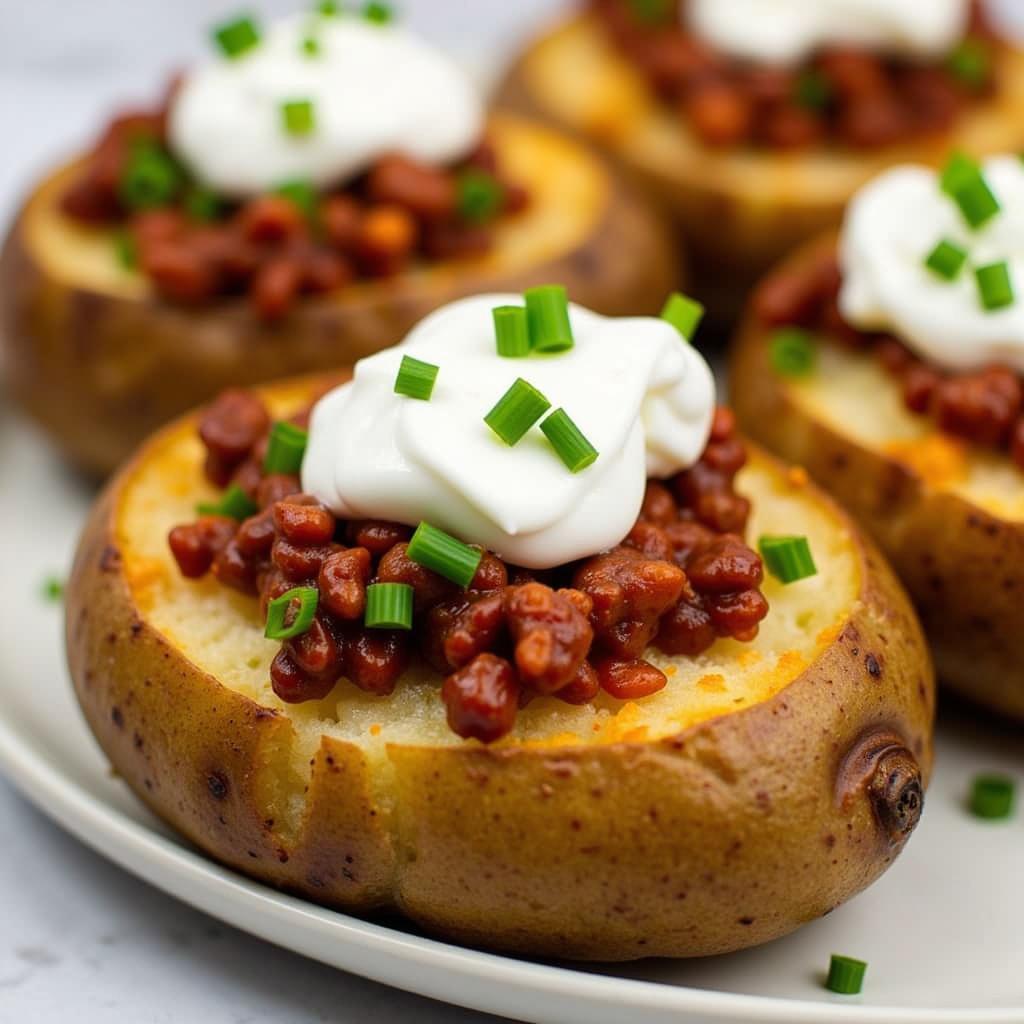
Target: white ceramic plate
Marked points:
942	931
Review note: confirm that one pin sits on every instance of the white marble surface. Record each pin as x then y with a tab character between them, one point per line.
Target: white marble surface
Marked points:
81	940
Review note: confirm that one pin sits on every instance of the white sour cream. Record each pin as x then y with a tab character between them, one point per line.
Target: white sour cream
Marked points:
374	88
642	396
788	31
890	228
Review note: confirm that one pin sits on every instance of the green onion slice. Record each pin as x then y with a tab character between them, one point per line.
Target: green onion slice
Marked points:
960	169
480	196
995	286
328	8
440	552
568	441
302	194
202	204
683	313
812	90
788	559
237	37
150	178
845	975
234	503
286	448
516	411
511	331
792	352
416	378
52	589
993	796
946	260
971	63
292	613
547	315
310	46
298	117
127	249
388	606
378	13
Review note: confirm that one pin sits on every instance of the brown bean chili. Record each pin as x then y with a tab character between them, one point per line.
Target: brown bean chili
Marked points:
677	582
845	94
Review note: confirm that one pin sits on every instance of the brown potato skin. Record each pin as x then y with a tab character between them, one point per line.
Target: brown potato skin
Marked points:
99	372
733	832
740	212
963	566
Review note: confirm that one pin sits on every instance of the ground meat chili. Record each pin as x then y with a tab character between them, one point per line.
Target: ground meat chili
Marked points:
196	248
984	407
682	578
845	95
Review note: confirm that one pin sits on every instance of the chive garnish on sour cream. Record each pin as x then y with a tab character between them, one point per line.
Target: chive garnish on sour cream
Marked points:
569	442
416	378
235	38
511	332
547	314
516	411
683	313
298	117
946	260
995	286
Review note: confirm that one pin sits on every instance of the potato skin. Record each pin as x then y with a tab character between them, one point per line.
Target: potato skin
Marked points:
100	371
738	211
962	565
733	832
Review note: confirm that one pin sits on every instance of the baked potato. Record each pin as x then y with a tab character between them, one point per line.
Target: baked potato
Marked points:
739	209
99	360
766	784
947	514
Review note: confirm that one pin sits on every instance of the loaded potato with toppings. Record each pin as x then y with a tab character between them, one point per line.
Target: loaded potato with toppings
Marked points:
510	631
755	122
294	203
888	362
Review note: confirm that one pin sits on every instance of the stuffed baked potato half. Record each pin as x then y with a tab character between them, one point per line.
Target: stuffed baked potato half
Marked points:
764	785
740	207
100	360
949	515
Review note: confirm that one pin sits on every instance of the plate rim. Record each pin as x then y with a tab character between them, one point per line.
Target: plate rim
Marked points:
187	875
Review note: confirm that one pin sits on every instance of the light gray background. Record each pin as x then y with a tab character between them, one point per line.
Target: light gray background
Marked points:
81	941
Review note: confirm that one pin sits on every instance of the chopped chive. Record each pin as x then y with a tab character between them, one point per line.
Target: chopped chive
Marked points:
995	286
992	796
651	12
388	606
946	260
971	63
683	313
234	503
479	196
298	117
568	441
378	13
516	411
416	378
792	352
237	37
301	193
547	316
126	249
788	559
150	178
812	90
52	589
292	613
202	204
328	8
960	169
441	553
845	975
511	331
310	46
286	448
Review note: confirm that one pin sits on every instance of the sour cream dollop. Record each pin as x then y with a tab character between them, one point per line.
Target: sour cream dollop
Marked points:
642	396
890	228
788	31
374	88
